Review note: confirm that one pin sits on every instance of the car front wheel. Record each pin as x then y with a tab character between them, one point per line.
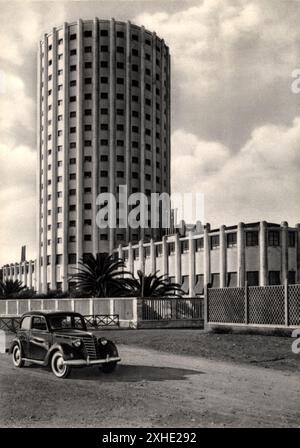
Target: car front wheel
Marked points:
58	367
112	352
17	356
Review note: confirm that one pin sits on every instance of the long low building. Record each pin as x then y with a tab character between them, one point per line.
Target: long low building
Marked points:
258	253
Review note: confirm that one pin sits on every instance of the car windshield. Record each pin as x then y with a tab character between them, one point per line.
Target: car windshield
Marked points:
66	321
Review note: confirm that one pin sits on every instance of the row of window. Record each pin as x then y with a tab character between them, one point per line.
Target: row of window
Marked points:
103	173
251	240
104	142
105	64
104	158
105	49
105	80
105	33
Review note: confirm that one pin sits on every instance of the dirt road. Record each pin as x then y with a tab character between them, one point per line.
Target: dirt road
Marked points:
150	389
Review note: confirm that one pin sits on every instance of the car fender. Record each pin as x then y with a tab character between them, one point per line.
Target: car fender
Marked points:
109	349
67	351
13	343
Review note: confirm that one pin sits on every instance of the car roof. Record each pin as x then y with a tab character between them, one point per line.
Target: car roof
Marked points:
49	313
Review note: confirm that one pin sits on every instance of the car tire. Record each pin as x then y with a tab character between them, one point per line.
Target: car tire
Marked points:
58	367
17	356
113	352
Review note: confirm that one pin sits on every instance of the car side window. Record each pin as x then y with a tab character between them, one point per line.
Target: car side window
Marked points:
25	325
38	323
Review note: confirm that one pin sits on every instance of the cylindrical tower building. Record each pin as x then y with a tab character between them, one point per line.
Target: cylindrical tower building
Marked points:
103	121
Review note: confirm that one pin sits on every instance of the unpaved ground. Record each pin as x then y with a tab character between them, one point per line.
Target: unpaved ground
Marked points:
151	389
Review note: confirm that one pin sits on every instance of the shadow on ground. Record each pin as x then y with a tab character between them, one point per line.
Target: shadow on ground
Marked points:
123	373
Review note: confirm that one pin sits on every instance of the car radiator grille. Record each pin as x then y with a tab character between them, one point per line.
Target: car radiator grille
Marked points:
90	347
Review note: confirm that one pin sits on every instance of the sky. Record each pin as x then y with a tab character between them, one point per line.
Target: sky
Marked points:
235	118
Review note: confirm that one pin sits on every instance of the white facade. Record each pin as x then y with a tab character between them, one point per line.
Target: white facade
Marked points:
104	121
259	253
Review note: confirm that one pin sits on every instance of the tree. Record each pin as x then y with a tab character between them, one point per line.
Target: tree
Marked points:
100	275
150	285
9	288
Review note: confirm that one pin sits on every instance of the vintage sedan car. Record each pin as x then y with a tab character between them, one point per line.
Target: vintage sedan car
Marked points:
61	341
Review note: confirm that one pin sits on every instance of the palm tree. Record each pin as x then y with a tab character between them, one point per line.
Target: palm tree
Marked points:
100	275
150	285
9	288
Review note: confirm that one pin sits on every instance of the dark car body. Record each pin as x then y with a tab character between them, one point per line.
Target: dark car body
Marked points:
42	334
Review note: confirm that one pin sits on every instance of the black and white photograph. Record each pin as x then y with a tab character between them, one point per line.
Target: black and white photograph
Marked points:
150	217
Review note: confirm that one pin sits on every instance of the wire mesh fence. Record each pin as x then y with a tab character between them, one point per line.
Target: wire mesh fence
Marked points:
276	305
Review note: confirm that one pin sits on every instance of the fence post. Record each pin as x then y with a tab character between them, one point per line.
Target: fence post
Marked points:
91	307
18	307
286	303
73	304
135	312
246	295
56	305
6	307
206	305
111	307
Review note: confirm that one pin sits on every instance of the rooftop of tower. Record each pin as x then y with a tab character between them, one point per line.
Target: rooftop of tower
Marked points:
91	21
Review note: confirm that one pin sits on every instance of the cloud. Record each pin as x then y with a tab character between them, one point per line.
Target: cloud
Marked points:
17	109
261	181
17	198
231	65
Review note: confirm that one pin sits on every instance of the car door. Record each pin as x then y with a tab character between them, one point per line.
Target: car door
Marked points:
40	338
24	335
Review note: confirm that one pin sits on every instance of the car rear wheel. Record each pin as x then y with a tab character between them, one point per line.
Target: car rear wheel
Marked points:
17	356
58	367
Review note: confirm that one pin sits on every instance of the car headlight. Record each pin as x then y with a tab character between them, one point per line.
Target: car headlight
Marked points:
102	341
77	343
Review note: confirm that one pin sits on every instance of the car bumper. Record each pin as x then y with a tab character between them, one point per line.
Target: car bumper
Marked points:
89	362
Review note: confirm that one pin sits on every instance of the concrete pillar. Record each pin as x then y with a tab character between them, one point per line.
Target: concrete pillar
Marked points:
241	254
34	284
39	161
222	260
130	258
177	259
154	155
54	167
191	265
298	252
24	264
45	167
65	192
152	256
112	119
120	251
128	117
284	251
142	121
141	256
79	145
206	254
120	255
30	282
164	256
263	254
15	271
95	136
